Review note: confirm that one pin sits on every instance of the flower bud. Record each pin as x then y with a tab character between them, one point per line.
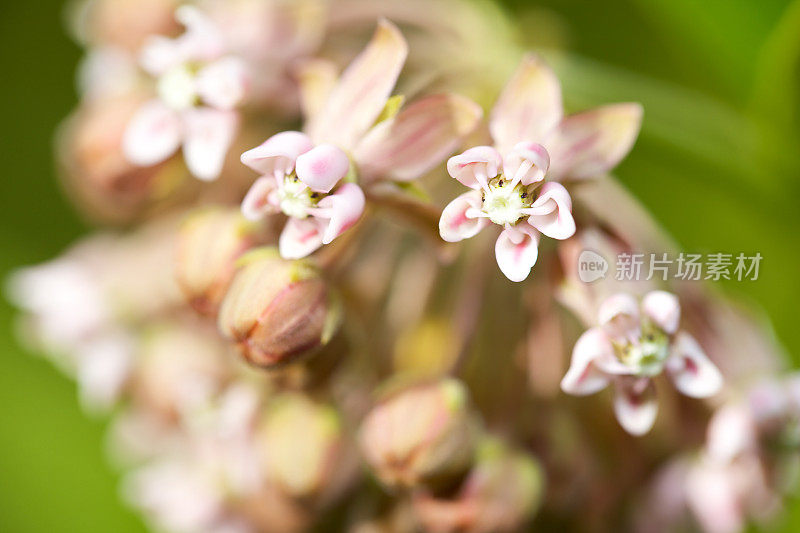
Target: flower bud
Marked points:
209	242
423	435
277	310
500	494
301	446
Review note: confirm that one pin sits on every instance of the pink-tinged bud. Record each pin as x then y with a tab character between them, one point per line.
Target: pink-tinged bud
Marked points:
422	435
277	310
301	447
209	243
501	493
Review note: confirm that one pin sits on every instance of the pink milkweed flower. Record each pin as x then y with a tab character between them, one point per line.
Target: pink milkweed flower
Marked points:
198	87
631	346
533	141
303	173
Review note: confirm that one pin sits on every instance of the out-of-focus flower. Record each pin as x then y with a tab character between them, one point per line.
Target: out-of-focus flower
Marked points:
199	87
420	436
122	24
346	117
629	348
500	494
209	243
277	310
533	141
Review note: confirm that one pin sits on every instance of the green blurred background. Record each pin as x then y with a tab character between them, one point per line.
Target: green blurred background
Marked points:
717	164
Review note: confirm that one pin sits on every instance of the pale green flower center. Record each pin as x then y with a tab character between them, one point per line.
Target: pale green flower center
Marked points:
296	198
647	356
177	87
503	202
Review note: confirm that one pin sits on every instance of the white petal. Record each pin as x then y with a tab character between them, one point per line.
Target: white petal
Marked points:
583	376
635	405
277	155
455	225
663	309
300	237
153	134
474	167
343	209
209	134
619	316
553	212
322	167
691	370
527	163
516	250
223	84
259	200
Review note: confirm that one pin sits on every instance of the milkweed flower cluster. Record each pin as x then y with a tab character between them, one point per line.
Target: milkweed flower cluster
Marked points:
287	331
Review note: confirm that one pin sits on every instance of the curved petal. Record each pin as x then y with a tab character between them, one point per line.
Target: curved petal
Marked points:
209	134
259	200
619	316
153	134
551	212
418	138
277	155
529	107
635	404
343	208
362	91
322	167
159	54
527	163
223	84
202	40
476	166
316	79
589	144
583	376
713	494
691	370
663	309
455	224
300	237
516	250
731	432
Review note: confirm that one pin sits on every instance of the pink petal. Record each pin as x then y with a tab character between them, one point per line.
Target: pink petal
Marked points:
363	89
635	404
223	84
476	166
551	212
455	225
619	316
343	208
153	134
529	107
663	309
209	134
259	199
516	250
202	40
589	144
159	54
277	155
731	432
300	237
691	370
712	492
583	376
316	78
527	163
418	138
322	167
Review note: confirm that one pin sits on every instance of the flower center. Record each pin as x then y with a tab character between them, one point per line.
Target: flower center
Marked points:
646	357
503	202
176	87
296	198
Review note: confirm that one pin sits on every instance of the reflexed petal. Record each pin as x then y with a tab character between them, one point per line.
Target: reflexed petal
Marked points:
322	167
343	208
455	225
589	144
159	54
516	250
202	40
663	309
527	163
691	370
475	166
277	155
529	107
713	494
635	404
153	134
731	432
259	200
317	78
551	213
583	376
418	138
223	84
300	237
363	89
619	316
209	134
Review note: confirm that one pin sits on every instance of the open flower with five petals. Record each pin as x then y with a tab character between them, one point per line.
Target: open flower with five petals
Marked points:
516	183
199	85
355	136
632	345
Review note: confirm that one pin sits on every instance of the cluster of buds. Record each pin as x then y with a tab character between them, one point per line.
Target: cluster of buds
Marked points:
265	335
